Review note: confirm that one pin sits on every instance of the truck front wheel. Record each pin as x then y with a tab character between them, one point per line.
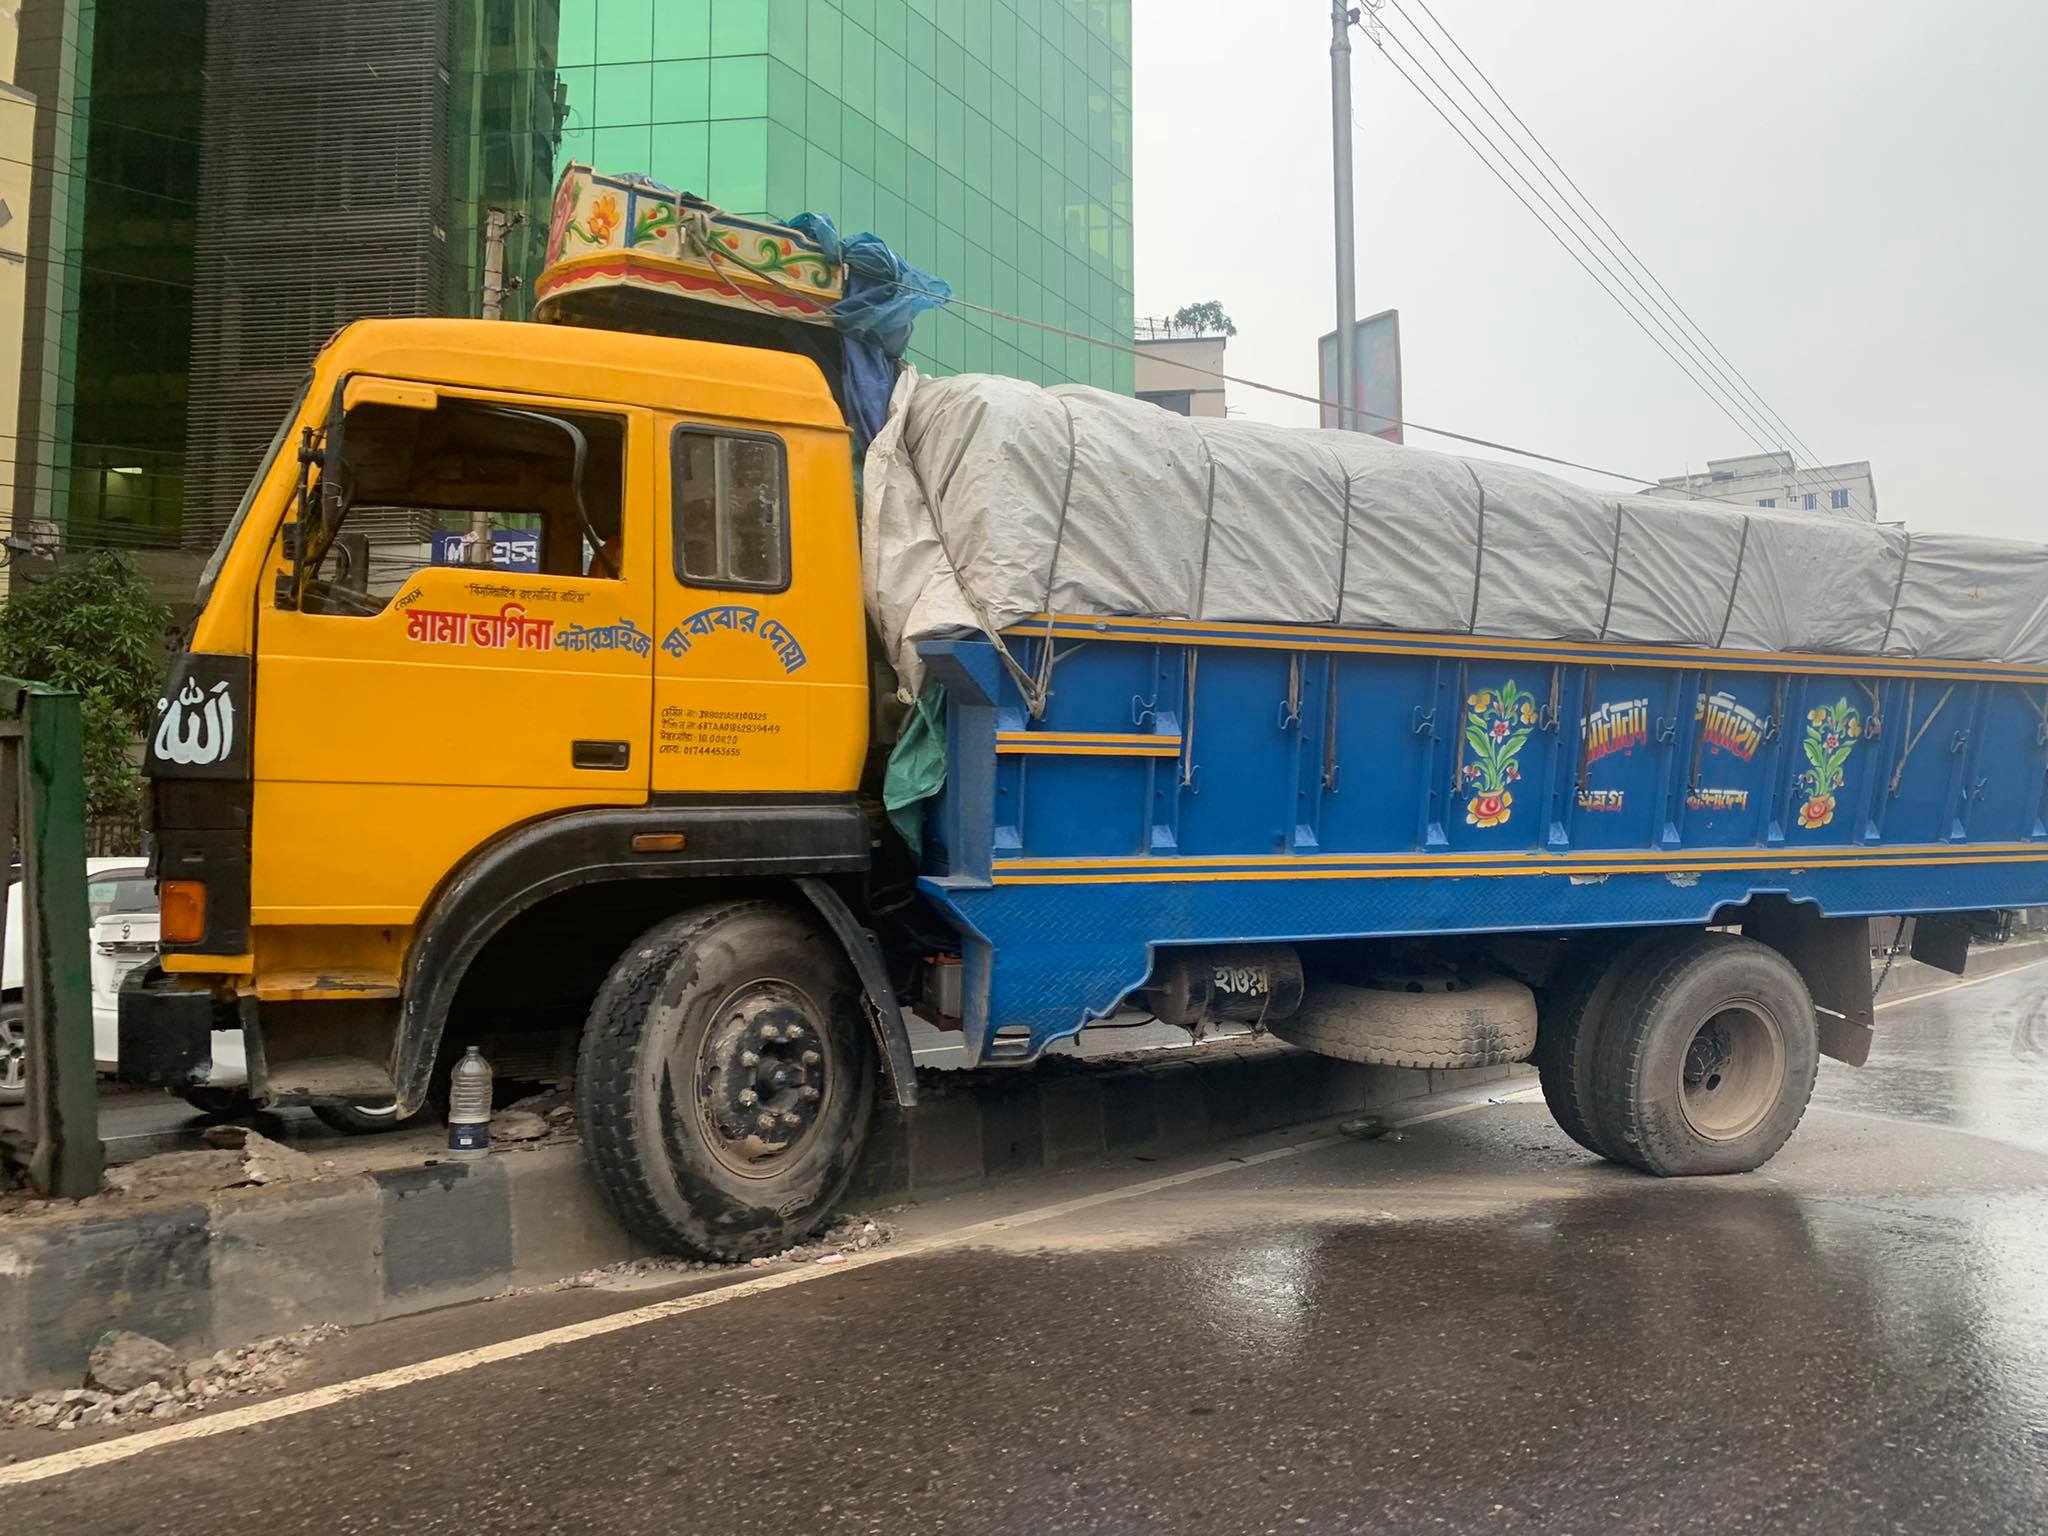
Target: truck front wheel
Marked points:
1707	1058
726	1080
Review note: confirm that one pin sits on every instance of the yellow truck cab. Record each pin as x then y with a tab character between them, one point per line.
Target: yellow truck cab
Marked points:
405	806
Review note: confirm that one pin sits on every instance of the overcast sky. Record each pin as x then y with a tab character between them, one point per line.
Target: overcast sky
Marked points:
1847	197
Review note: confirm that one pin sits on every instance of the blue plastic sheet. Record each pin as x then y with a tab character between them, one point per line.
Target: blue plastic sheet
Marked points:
884	296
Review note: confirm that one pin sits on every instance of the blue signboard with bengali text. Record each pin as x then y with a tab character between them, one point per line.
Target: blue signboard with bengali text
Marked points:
511	549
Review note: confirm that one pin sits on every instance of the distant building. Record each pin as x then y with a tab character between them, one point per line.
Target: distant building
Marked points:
1176	369
200	194
17	157
1777	480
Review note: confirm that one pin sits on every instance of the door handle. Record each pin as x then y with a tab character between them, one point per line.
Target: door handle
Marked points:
612	755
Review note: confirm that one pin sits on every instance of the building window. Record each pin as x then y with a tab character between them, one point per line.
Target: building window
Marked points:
1180	401
731	510
1807	501
1768	501
1839	500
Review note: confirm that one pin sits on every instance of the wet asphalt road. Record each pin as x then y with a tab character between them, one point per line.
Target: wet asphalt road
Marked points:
1473	1328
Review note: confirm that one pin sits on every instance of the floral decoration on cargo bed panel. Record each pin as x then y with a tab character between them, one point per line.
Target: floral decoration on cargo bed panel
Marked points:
1831	735
1497	726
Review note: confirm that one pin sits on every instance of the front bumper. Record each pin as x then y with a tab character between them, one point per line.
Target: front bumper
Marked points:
175	1033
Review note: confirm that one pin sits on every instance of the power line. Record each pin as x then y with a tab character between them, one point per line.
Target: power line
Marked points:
1408	423
1720	388
1628	304
1677	361
1640	293
97	120
95	181
1544	149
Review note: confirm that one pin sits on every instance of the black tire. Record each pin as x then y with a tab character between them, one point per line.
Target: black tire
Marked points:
364	1119
680	1037
1707	1058
13	1051
1574	1015
218	1102
1486	1021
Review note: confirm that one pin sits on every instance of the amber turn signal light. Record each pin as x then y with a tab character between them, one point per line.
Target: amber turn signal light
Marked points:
181	908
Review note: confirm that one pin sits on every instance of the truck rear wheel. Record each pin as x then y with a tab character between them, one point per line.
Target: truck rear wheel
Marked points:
1574	1016
726	1080
1707	1058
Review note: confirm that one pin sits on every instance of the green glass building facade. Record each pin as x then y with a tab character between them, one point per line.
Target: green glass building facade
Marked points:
172	307
988	141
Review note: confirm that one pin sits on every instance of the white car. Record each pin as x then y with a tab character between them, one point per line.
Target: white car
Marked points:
121	903
114	888
122	939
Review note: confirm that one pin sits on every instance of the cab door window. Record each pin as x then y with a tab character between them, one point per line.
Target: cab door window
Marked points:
441	486
731	510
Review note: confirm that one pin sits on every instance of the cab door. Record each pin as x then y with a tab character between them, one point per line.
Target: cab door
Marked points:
760	683
408	711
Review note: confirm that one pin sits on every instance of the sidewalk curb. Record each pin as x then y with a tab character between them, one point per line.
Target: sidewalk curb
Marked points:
205	1273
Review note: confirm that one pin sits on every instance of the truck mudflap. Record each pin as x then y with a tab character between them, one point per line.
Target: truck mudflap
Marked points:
166	1025
890	1032
1832	956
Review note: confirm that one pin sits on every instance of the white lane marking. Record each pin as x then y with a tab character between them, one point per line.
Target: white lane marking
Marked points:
1957	986
105	1452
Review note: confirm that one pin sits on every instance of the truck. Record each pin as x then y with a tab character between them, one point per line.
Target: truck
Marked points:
700	770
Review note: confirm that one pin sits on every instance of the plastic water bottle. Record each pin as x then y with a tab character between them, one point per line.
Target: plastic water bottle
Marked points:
469	1106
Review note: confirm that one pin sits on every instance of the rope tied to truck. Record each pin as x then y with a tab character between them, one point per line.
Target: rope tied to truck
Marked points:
1613	575
1734	586
1478	550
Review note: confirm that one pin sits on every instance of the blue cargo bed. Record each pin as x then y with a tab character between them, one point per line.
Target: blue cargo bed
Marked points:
1204	783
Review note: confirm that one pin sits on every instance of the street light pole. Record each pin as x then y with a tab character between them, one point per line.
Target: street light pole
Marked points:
1341	17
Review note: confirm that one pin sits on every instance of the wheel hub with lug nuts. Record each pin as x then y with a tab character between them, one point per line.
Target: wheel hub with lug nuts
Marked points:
1733	1072
764	1077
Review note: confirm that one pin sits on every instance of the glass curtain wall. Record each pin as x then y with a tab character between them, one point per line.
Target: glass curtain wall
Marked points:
988	141
504	115
134	314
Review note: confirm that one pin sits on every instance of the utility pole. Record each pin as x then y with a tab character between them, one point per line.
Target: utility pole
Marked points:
1342	16
497	225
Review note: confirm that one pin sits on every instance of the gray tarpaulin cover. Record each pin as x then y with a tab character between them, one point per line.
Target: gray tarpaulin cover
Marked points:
989	499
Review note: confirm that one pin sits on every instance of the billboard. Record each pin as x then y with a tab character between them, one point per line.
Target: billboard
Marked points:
511	549
1377	394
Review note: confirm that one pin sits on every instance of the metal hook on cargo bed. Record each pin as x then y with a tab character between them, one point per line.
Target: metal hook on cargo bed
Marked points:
1290	707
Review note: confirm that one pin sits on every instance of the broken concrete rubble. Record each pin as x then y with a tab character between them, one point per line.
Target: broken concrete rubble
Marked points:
125	1362
518	1125
174	1386
239	1156
849	1235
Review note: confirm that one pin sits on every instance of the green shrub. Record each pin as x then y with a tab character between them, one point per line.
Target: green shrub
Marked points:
94	628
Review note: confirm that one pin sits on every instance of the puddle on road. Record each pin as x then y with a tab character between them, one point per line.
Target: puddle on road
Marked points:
1975	1058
